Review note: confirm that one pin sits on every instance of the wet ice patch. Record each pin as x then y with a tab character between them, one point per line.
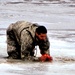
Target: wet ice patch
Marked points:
6	69
62	69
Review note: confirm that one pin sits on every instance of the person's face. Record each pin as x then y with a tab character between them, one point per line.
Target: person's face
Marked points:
41	36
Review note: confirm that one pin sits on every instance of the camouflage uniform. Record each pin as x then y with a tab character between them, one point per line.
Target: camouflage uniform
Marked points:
21	40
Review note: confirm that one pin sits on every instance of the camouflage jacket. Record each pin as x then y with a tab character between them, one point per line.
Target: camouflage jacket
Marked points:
25	36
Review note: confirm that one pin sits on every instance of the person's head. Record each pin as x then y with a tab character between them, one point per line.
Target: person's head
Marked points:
41	32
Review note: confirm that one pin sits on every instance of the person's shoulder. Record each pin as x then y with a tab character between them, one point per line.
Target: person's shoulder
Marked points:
19	22
36	25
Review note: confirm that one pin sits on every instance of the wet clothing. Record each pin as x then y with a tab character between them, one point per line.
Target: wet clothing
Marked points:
21	40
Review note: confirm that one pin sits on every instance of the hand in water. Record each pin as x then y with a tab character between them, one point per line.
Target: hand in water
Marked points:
45	57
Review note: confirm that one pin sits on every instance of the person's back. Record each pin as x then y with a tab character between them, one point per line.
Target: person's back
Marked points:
15	37
19	26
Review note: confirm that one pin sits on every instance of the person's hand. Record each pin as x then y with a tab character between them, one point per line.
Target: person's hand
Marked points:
45	57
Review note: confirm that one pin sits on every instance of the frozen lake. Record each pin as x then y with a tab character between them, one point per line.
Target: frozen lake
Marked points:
59	17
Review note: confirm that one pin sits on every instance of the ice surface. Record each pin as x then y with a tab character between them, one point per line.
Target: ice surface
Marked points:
59	17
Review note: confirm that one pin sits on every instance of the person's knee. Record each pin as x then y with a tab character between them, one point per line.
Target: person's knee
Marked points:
13	55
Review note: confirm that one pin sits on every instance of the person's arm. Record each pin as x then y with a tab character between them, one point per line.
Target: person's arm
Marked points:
44	50
44	47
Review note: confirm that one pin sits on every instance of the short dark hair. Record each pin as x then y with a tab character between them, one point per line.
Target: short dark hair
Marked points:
41	29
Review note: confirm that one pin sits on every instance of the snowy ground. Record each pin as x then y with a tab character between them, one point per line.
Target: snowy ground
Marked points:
58	17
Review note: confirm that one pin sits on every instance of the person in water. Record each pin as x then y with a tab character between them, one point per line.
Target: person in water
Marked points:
22	37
